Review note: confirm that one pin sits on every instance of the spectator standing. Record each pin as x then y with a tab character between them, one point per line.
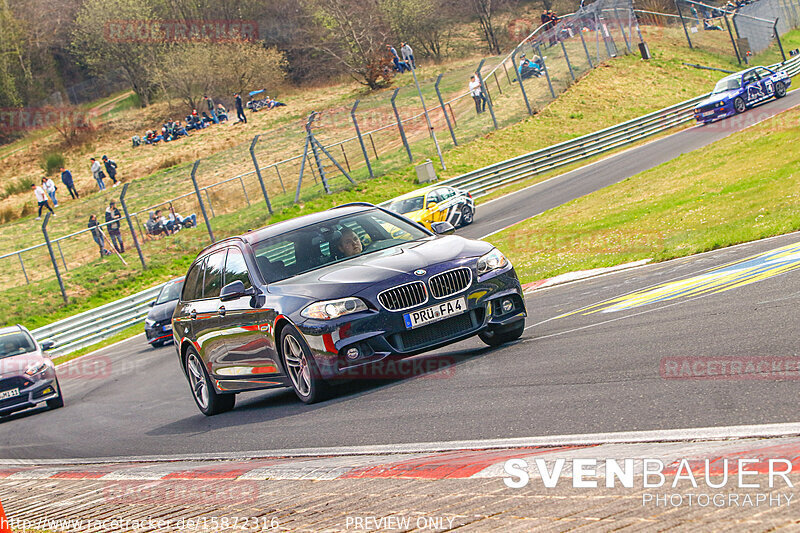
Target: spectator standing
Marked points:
66	179
113	218
408	54
111	169
41	199
477	94
50	187
97	172
240	109
399	66
97	235
212	109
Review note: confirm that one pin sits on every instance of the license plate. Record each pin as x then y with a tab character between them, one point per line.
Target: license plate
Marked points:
708	113
435	313
9	394
168	327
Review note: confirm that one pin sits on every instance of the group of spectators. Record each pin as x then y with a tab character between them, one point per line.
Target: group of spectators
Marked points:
403	61
113	226
46	191
256	104
160	225
172	130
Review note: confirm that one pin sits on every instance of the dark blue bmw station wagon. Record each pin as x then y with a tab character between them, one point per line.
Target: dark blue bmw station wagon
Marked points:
303	302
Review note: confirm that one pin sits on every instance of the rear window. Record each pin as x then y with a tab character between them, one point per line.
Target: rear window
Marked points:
193	286
212	280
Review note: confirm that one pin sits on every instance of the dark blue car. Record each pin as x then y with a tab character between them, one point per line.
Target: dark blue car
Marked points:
735	93
306	302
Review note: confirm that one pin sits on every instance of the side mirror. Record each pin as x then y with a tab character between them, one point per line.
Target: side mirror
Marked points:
233	290
153	303
431	205
443	228
48	345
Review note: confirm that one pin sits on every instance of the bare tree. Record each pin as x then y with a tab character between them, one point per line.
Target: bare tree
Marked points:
423	23
354	34
485	10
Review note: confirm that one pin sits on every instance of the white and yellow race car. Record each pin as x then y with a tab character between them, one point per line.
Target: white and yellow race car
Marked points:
436	204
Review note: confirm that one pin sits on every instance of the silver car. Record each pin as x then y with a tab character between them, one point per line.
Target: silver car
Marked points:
27	376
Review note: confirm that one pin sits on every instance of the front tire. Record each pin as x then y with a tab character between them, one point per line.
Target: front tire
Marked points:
58	401
780	89
739	105
208	400
301	368
503	335
467	215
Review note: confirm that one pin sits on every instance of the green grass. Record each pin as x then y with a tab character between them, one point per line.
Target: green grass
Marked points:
742	188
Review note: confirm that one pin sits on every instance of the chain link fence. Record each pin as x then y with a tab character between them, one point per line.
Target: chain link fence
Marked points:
739	32
372	136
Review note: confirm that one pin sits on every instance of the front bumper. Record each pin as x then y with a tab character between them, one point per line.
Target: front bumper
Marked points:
32	391
378	333
706	115
156	333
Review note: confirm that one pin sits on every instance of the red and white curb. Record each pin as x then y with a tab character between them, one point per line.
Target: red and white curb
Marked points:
447	464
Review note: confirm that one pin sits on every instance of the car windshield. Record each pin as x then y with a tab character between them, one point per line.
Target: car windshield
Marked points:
15	343
407	205
727	84
318	245
170	292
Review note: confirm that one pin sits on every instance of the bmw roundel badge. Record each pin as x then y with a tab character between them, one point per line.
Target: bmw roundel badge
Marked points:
419	272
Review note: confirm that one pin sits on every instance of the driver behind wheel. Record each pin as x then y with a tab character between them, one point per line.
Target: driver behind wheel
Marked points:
349	244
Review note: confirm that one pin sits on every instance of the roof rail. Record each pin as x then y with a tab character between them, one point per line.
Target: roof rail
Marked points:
353	204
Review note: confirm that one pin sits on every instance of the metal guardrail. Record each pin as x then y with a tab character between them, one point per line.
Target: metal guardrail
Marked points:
481	181
97	324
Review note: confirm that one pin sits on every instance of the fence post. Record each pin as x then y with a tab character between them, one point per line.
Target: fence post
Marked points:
546	72
130	223
778	37
61	253
622	30
200	200
485	89
566	57
258	172
585	49
244	191
680	14
400	125
444	111
53	257
280	179
27	282
302	168
210	205
361	139
733	41
519	79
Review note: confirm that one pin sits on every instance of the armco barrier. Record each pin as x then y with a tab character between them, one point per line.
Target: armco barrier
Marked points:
97	324
92	326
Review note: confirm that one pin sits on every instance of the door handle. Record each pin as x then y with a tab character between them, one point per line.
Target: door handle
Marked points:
193	314
221	310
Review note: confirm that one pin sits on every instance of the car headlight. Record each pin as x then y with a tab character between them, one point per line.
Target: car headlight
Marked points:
492	261
720	103
329	309
36	368
149	323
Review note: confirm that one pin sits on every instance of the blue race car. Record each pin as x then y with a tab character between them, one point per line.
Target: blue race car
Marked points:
735	93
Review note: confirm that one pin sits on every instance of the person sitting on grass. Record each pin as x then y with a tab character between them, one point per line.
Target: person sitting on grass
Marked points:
178	221
154	226
222	113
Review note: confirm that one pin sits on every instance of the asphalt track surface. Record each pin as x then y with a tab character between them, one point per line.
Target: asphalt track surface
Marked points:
580	373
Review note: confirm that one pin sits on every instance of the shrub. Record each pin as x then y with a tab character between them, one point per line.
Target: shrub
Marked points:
18	186
51	162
